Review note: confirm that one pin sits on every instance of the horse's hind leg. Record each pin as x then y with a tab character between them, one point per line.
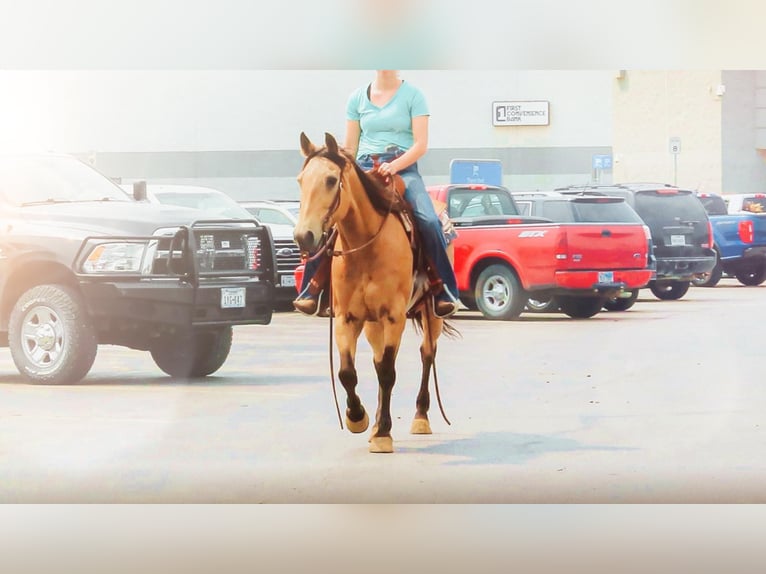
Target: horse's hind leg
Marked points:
346	335
432	327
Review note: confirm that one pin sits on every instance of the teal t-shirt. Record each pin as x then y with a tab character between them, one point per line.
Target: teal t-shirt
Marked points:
387	125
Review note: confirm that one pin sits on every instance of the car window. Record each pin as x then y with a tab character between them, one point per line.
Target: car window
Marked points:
559	211
524	207
754	204
473	203
713	204
660	209
604	212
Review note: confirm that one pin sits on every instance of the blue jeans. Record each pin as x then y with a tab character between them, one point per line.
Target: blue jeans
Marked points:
428	223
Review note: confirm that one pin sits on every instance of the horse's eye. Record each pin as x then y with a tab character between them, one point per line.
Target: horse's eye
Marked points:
332	181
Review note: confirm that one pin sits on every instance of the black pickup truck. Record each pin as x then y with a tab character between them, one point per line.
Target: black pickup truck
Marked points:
82	264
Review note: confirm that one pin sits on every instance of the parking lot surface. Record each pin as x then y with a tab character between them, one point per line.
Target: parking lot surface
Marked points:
661	403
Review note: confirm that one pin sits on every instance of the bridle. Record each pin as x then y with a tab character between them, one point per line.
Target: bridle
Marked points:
329	233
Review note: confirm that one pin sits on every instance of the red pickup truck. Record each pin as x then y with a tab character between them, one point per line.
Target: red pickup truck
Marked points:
501	258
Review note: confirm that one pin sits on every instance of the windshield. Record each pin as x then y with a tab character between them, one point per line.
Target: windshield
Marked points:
215	204
26	180
269	215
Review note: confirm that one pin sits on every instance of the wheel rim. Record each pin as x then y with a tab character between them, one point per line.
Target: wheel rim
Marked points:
496	293
42	337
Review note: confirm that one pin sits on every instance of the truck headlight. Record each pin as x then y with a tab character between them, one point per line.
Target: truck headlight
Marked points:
115	258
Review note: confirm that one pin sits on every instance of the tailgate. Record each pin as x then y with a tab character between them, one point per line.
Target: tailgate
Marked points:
605	246
759	229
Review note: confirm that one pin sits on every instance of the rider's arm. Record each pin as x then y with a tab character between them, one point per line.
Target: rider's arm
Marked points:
353	133
419	147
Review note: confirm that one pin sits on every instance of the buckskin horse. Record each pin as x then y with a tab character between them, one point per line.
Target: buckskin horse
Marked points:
372	279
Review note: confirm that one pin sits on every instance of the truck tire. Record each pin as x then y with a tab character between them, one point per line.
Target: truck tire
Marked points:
498	294
198	354
711	278
752	276
542	305
669	290
50	335
621	303
580	307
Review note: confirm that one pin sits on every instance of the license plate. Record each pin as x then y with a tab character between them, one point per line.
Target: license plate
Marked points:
678	239
606	276
232	297
287	281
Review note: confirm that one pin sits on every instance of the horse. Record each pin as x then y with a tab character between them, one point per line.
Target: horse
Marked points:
372	280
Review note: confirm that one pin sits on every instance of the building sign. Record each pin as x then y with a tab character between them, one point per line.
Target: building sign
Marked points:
522	113
602	161
477	171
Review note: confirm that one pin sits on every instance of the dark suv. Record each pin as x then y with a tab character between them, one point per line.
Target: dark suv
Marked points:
680	229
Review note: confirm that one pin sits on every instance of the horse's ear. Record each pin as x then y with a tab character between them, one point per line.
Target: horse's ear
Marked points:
307	148
332	145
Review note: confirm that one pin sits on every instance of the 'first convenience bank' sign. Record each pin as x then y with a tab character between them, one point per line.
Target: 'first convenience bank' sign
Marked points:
522	113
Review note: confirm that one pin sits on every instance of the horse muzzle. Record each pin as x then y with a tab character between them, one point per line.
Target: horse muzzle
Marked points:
306	240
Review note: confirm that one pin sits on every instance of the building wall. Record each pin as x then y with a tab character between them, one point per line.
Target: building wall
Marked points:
238	130
650	107
743	124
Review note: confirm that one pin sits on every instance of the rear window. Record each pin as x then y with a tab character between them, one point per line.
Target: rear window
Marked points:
559	211
474	203
754	204
713	204
659	209
604	212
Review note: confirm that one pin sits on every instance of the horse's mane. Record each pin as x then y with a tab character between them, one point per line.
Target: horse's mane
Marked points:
383	198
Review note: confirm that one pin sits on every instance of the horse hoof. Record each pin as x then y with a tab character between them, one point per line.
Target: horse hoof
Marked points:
381	444
373	432
359	426
420	426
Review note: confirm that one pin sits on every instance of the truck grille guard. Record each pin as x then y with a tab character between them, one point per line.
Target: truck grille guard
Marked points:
190	253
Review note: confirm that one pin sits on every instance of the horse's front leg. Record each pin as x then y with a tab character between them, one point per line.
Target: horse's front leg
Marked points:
384	338
347	330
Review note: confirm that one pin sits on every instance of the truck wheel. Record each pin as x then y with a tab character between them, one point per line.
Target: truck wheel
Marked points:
621	303
50	335
542	305
711	278
580	307
196	355
752	276
499	295
669	290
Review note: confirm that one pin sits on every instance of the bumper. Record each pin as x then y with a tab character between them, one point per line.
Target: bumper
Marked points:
684	268
604	282
758	251
174	302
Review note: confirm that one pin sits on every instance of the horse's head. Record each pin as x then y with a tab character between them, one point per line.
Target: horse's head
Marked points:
320	181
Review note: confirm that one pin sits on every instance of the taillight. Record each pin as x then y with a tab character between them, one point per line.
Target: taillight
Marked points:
709	244
562	249
667	191
746	232
253	253
477	186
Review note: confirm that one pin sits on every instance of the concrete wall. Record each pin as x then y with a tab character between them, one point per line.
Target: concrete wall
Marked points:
650	107
238	130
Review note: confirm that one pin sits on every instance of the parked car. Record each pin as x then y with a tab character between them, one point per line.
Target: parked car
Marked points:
563	208
739	238
220	204
682	235
503	258
280	217
83	264
273	212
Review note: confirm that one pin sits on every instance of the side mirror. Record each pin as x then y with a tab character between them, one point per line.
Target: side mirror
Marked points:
139	190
